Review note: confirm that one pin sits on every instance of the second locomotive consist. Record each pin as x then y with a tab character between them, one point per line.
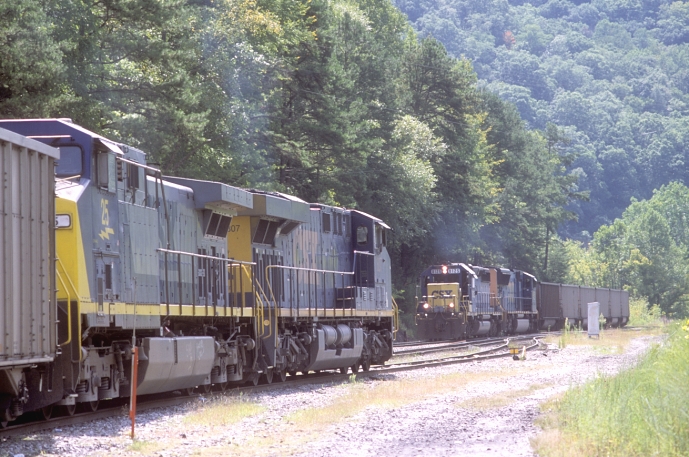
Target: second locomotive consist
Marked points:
457	301
461	301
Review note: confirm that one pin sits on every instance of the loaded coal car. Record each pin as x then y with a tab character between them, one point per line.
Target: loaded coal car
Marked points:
214	284
457	300
565	302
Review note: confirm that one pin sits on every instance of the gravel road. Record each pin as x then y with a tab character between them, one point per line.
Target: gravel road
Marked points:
488	409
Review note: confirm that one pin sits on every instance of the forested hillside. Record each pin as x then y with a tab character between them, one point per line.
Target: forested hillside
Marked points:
333	101
612	74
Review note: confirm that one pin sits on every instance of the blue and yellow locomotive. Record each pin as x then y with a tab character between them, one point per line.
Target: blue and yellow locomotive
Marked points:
214	284
457	300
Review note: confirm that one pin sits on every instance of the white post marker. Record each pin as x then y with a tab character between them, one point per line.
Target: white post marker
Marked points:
593	324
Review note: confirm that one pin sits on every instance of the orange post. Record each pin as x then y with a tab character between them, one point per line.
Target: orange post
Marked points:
135	377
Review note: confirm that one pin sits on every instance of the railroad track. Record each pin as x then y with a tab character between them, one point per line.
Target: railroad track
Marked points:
119	407
420	343
443	346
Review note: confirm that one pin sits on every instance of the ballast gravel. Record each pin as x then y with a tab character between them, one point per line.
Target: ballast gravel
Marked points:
461	421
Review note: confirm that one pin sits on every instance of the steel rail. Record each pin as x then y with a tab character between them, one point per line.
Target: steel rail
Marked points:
444	346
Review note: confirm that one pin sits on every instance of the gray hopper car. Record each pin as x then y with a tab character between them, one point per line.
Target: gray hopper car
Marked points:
27	263
564	301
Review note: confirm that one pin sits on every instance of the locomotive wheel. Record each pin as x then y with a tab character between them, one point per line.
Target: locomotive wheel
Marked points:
366	365
47	412
254	379
220	387
189	391
206	388
3	424
343	370
68	410
269	376
355	367
292	373
91	406
282	375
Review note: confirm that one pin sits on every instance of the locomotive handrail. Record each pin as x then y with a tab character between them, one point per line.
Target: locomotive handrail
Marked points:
69	313
396	318
140	165
205	256
260	311
228	261
312	270
309	270
316	270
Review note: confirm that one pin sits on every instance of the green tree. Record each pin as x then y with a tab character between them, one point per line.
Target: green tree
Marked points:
31	67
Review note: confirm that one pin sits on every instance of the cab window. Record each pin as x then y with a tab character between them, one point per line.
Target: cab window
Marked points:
361	235
70	162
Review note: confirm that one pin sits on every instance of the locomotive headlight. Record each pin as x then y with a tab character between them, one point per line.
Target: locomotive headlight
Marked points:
425	306
451	305
444	269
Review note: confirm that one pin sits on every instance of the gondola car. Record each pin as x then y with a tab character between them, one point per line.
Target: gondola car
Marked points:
214	284
560	303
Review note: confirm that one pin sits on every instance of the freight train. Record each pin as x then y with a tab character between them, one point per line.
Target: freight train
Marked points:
457	300
213	284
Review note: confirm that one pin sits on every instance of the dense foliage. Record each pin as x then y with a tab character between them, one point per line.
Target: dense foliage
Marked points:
644	251
333	101
613	74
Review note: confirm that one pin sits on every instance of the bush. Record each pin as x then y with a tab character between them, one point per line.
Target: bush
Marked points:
640	314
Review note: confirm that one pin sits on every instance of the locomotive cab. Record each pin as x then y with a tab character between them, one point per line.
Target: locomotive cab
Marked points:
443	301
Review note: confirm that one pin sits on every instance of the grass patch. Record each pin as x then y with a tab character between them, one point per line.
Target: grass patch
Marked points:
614	340
640	412
500	399
224	410
144	447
